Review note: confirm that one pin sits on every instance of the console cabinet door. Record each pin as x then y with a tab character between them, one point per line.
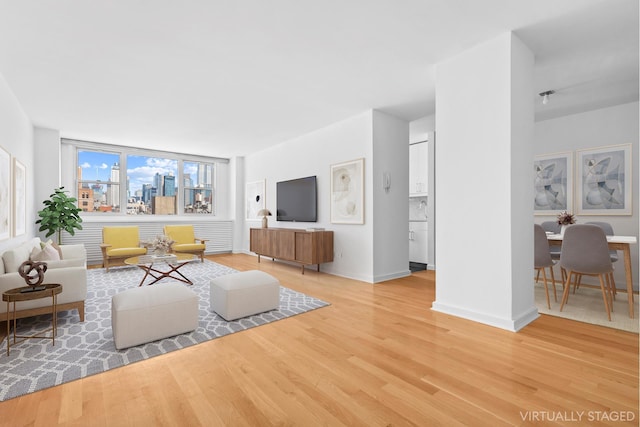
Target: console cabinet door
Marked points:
284	244
305	248
259	241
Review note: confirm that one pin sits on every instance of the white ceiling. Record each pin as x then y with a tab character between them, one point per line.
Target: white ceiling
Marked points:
227	77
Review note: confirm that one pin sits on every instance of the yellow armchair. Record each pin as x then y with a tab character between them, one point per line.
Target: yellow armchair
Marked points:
120	243
185	240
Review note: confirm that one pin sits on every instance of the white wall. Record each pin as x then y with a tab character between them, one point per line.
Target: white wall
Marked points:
419	129
16	137
608	126
313	154
391	209
47	164
484	238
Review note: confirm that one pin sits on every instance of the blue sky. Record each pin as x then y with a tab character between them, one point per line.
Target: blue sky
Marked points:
140	169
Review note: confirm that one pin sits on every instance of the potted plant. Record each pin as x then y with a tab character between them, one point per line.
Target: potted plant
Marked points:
60	212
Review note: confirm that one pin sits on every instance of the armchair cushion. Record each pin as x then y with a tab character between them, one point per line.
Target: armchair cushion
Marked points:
188	247
121	237
180	234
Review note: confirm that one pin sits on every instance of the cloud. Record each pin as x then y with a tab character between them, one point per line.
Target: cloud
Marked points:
168	164
85	165
103	166
145	174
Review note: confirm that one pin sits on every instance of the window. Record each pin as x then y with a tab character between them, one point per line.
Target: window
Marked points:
98	181
198	187
151	185
126	180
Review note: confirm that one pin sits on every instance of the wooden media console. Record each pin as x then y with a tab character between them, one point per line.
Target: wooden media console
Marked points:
290	244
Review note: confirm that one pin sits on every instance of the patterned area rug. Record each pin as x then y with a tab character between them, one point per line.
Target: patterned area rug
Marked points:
587	305
83	349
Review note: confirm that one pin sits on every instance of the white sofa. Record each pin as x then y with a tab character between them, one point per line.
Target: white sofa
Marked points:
70	272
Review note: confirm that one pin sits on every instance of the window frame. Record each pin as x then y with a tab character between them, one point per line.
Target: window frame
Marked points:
124	152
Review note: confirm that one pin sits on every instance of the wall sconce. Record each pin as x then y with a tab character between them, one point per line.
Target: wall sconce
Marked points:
386	182
264	213
545	96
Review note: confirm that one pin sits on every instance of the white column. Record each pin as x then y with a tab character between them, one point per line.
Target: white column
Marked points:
47	172
484	155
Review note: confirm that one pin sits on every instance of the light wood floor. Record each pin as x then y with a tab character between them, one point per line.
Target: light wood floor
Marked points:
378	356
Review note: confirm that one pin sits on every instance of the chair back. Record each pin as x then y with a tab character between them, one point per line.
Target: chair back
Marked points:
608	230
552	226
180	234
542	256
121	237
585	250
606	227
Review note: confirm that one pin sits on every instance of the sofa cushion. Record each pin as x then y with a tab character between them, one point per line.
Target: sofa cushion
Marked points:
13	258
64	263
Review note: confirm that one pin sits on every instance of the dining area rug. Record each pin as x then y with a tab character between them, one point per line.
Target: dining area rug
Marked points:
86	348
587	305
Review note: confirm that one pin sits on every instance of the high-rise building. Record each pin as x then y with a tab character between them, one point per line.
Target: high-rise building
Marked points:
85	194
113	191
158	183
204	175
169	188
187	185
146	193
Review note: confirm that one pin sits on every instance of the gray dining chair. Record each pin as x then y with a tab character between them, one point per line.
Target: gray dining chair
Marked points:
585	252
542	260
553	227
608	230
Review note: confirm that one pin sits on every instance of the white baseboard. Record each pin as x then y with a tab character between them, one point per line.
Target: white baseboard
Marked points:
508	324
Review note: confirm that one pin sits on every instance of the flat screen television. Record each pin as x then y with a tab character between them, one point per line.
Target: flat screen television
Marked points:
296	200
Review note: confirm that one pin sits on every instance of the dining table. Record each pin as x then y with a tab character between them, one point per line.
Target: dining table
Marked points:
619	243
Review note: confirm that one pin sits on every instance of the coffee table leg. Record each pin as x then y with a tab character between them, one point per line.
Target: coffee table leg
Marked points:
186	280
146	269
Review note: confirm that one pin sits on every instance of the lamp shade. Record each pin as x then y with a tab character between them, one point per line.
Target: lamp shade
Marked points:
264	212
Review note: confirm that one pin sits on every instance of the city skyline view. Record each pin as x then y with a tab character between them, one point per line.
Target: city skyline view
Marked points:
103	182
96	166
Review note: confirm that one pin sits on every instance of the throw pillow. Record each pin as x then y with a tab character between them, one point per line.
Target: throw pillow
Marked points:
54	244
47	253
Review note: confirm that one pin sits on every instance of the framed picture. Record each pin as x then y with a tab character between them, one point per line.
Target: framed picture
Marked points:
604	181
19	198
553	183
254	199
5	194
347	192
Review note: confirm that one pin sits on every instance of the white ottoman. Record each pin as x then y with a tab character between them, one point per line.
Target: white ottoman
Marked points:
150	313
243	294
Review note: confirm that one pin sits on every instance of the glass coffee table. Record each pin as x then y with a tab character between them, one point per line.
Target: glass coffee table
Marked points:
170	265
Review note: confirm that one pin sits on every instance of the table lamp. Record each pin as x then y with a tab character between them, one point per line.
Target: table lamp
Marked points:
264	213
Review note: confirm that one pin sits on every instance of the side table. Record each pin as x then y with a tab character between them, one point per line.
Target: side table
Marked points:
17	294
